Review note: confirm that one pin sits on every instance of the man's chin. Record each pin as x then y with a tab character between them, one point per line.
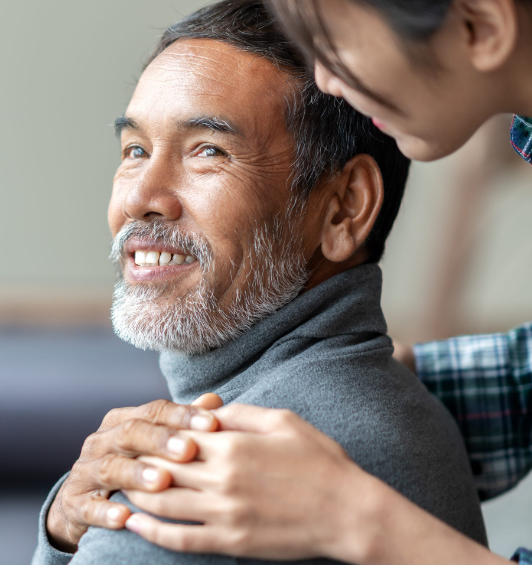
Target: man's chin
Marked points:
158	316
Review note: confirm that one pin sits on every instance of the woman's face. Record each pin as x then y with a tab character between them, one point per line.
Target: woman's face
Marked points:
430	98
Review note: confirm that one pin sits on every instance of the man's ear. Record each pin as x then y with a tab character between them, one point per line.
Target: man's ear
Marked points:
491	27
354	204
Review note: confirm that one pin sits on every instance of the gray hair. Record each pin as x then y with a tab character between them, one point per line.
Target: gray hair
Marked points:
327	132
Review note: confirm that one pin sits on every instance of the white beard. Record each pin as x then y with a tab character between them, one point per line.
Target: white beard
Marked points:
196	323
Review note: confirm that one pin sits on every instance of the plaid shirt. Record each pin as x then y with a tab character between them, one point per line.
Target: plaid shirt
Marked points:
485	381
523	556
521	137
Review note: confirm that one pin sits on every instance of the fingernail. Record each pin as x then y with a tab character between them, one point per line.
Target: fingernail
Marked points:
113	515
176	446
150	475
135	523
201	422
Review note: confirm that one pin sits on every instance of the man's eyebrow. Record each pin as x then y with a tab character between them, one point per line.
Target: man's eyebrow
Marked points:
214	123
122	123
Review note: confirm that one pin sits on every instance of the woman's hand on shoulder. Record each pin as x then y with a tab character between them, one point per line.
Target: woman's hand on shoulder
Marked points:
267	485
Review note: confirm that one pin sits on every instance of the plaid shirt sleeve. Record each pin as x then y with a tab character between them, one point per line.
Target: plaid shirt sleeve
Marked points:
521	137
523	556
485	381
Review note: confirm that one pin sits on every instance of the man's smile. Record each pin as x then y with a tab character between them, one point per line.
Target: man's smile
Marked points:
161	259
148	260
145	266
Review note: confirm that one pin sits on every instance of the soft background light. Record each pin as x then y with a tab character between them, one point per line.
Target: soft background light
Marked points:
459	259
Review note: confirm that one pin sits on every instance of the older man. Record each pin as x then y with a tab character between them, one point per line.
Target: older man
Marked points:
248	215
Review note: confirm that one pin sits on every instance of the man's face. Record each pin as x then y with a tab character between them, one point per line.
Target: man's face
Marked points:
205	184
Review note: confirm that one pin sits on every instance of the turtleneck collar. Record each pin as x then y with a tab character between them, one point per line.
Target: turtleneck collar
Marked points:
348	303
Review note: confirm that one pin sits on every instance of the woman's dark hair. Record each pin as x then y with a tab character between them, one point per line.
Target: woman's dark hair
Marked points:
327	132
414	21
410	19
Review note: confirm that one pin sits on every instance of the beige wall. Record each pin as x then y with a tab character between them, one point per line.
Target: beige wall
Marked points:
68	69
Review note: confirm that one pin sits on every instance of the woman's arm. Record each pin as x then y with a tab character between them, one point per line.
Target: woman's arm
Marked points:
277	488
485	381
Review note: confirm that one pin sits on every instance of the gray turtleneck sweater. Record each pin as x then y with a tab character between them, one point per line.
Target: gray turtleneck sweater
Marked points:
325	356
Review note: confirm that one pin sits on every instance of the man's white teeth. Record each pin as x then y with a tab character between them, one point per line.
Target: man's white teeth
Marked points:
155	258
140	257
165	258
177	260
152	258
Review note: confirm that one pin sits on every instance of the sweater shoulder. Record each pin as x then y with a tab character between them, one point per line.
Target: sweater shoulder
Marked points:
382	416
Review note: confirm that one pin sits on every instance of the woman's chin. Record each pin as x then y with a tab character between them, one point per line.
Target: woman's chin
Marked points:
419	149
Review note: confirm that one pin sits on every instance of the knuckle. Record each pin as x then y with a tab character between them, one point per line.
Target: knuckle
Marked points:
106	468
239	539
229	480
125	437
112	417
77	470
85	511
238	513
181	415
232	446
284	418
188	541
157	506
90	445
153	410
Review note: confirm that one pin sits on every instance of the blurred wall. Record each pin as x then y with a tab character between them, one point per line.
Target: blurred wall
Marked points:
459	259
68	70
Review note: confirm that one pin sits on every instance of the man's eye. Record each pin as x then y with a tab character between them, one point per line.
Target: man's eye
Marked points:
135	152
211	151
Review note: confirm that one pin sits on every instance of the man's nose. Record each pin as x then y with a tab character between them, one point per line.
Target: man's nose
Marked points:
154	195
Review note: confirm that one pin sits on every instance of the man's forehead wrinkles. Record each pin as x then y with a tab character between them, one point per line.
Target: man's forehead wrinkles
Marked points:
210	54
170	60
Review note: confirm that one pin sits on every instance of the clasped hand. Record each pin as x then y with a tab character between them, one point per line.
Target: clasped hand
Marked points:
156	456
109	462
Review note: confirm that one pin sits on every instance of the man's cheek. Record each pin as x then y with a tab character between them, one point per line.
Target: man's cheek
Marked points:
115	214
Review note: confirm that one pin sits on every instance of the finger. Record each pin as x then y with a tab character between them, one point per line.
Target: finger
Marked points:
195	475
138	437
174	503
176	537
221	445
98	511
405	355
114	472
209	401
177	416
245	418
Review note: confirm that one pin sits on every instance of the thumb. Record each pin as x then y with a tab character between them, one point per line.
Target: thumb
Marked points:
246	418
209	401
